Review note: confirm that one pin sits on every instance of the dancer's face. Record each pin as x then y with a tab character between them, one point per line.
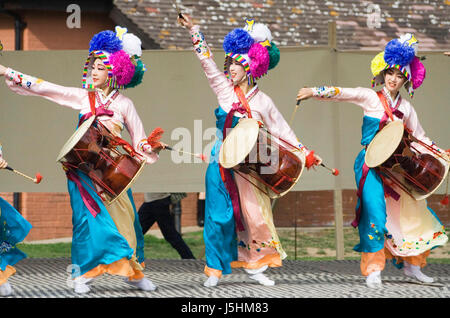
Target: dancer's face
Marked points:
393	80
99	73
237	72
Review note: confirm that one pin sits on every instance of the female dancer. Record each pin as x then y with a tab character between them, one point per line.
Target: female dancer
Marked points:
391	224
13	229
238	228
106	239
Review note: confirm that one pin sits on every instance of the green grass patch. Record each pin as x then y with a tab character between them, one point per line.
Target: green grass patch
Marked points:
45	250
321	242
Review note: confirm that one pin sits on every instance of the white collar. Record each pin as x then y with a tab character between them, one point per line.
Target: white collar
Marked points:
250	92
393	102
104	98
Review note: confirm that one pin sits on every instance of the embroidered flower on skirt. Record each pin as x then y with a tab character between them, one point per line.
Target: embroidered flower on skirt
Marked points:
419	244
5	247
375	234
254	245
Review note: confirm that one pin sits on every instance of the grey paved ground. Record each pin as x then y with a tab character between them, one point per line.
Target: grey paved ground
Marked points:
47	278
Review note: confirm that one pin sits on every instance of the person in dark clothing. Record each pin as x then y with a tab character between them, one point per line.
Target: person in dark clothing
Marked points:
156	208
201	209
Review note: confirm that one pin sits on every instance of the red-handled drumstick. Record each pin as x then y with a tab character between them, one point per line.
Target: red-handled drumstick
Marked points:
36	180
334	171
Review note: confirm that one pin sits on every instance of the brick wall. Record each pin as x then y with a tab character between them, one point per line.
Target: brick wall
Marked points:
48	30
51	215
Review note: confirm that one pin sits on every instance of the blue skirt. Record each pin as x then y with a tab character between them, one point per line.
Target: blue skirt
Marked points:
96	240
219	228
13	229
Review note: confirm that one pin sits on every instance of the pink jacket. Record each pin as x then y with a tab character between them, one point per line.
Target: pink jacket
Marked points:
125	114
261	105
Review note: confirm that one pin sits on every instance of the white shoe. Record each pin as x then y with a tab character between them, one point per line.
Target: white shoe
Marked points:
5	289
212	281
414	271
374	280
80	285
143	284
262	279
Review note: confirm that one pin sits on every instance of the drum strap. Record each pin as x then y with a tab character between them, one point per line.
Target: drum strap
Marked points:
243	100
91	95
388	111
100	111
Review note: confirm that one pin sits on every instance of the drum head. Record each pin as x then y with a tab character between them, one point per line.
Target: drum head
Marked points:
384	144
239	142
73	140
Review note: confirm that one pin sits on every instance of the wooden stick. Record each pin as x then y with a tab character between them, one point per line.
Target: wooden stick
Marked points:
295	110
201	156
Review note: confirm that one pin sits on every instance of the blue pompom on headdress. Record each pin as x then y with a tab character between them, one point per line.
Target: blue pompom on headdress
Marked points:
238	41
105	41
397	53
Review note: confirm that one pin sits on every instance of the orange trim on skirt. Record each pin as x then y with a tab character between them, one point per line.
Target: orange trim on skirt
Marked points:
371	262
7	273
122	267
271	260
212	272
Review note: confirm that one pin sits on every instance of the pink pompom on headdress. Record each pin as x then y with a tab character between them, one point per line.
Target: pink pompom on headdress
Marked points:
123	68
418	72
260	60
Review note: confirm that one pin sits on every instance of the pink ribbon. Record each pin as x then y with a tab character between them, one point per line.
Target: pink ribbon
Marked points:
228	180
85	196
100	111
365	171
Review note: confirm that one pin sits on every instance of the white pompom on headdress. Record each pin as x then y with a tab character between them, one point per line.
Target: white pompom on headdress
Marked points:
132	44
258	31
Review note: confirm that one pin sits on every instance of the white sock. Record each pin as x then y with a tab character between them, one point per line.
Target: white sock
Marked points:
212	281
414	271
5	289
257	274
374	280
79	285
143	284
262	279
254	271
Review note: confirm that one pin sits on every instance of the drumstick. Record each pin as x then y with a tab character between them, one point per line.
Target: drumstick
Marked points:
178	11
295	110
36	180
198	155
334	171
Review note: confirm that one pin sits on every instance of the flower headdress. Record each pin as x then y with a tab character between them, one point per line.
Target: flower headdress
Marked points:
251	46
400	54
121	53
